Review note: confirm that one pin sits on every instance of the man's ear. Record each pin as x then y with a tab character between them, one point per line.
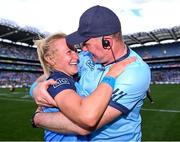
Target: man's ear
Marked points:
107	42
110	42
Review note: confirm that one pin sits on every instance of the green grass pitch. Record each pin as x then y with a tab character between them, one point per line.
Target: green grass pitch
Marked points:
161	120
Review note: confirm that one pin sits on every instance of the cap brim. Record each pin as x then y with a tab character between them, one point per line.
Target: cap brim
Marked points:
75	38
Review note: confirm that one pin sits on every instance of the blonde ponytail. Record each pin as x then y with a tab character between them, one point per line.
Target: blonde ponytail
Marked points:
43	49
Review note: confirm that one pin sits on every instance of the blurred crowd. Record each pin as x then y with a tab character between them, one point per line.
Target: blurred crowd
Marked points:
18	79
159	50
166	76
16	74
20	67
17	51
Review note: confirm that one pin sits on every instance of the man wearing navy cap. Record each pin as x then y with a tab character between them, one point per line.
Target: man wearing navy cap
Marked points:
100	35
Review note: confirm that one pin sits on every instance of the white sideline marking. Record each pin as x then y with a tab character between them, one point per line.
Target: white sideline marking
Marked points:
161	110
20	100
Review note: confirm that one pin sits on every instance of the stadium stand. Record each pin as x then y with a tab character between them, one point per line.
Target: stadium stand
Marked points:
19	64
164	61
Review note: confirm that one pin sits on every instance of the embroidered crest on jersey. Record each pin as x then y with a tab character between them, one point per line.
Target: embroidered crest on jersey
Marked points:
61	81
90	64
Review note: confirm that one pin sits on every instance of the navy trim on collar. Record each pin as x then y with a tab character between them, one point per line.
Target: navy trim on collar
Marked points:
121	58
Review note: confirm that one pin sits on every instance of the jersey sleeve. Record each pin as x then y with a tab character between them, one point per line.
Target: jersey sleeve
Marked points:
130	88
32	88
63	83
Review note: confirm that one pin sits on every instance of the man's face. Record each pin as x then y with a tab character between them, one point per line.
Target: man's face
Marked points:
94	46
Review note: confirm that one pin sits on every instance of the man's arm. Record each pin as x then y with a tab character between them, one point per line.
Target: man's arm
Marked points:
60	123
57	122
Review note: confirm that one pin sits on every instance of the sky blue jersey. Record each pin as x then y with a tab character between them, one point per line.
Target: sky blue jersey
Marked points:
128	96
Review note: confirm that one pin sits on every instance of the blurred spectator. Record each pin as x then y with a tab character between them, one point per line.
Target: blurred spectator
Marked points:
149	96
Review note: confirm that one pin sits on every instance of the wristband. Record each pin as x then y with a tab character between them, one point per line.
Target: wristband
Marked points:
32	87
109	80
32	119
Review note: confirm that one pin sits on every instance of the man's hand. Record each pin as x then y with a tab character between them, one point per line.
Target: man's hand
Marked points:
41	96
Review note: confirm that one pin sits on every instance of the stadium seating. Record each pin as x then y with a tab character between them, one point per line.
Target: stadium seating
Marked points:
164	61
19	63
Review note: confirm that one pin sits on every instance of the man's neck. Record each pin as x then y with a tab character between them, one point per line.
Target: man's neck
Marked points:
118	55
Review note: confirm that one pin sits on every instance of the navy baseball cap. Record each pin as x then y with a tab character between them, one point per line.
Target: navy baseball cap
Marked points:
94	22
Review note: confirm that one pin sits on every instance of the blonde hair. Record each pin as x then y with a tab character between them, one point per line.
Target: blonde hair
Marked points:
43	50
